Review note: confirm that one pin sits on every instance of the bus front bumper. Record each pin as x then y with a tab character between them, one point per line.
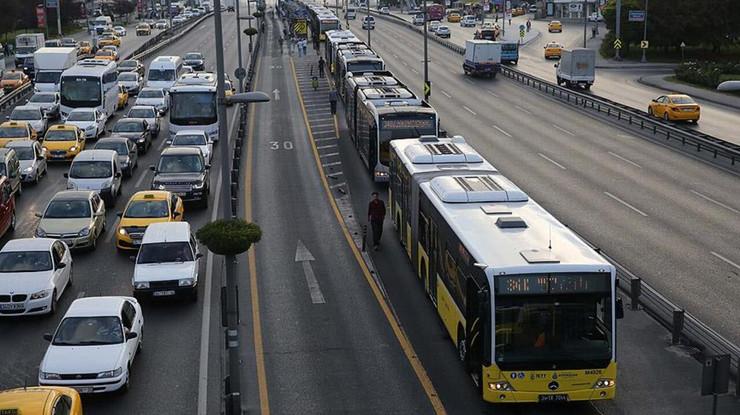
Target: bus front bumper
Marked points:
490	394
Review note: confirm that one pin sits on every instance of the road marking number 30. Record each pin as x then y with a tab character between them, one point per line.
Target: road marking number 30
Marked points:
277	145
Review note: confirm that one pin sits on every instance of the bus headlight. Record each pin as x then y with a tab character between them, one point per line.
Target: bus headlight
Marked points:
604	383
500	386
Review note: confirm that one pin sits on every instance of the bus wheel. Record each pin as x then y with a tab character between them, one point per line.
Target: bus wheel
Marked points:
462	351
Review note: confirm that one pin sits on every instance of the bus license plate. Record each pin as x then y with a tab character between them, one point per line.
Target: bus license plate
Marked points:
554	398
164	293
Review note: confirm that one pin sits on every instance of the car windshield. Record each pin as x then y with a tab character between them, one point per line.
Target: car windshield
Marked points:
119	147
142	113
189	140
67	209
151	93
25	114
61	135
12	132
24	153
128	127
12	76
42	98
147	209
26	261
164	252
127	76
193	56
90	170
682	100
89	331
161	75
181	163
48	77
81	116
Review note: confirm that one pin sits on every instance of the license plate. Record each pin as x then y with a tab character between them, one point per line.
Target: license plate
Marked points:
163	293
59	156
12	306
181	193
554	398
136	242
84	390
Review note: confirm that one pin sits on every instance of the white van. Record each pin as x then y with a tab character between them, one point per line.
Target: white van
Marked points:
168	261
96	170
164	71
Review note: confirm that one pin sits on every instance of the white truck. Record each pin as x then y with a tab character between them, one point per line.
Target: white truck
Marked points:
49	63
577	67
101	24
26	44
482	57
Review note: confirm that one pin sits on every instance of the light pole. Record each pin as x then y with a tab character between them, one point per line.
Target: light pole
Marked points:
619	28
644	33
249	22
239	44
585	21
367	3
427	87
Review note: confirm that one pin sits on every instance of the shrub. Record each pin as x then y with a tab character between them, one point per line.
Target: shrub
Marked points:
250	31
229	236
706	73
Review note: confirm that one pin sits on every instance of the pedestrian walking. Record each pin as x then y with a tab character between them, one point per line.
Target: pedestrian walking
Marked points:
321	66
280	41
315	83
304	45
376	216
333	100
593	32
299	47
529	25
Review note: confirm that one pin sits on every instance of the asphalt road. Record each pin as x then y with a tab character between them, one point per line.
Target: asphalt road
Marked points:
165	376
669	218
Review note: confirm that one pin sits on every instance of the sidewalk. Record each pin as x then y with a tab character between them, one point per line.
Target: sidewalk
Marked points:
721	98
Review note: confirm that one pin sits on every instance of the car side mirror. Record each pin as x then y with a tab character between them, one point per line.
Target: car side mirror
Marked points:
66	175
555	66
619	309
153	168
198	255
47	337
131	335
118	174
654	100
109	131
37	214
132	258
61	265
175	214
119	214
168	141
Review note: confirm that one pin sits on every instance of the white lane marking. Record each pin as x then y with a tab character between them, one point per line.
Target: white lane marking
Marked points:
143	174
112	231
336	163
326	139
337	185
404	63
626	204
725	259
563	129
445	93
551	161
625	136
716	202
469	81
626	160
325	147
469	110
317	297
501	130
328	155
524	110
492	93
414	71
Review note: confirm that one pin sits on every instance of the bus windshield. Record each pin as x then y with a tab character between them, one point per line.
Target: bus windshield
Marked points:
403	125
80	91
193	108
161	75
365	66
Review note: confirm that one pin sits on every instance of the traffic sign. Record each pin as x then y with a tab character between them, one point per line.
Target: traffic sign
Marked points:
521	34
636	16
52	4
300	27
240	73
427	89
617	44
644	44
522	27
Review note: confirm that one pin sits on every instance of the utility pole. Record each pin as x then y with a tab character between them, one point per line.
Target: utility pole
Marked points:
367	3
618	34
169	12
427	87
644	33
239	44
585	21
59	18
249	21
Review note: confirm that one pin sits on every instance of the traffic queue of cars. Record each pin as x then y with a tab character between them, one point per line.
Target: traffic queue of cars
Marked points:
97	339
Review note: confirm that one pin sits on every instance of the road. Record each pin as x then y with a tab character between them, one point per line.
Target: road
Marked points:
169	364
667	217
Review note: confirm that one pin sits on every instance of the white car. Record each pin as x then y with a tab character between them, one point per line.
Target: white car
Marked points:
193	138
32	158
595	17
385	10
132	81
418	19
434	25
156	97
532	9
148	113
34	272
32	115
467	21
179	19
89	120
48	102
94	346
119	31
168	261
443	31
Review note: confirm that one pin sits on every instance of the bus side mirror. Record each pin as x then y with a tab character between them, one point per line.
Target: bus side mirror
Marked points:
619	309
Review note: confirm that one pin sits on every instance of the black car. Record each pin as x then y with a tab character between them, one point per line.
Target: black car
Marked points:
29	68
131	65
135	129
184	172
195	60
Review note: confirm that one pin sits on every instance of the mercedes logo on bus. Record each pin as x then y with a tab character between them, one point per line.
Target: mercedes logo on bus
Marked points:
553	386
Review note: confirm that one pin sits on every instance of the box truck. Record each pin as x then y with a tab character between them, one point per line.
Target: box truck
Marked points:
577	67
482	57
49	63
26	44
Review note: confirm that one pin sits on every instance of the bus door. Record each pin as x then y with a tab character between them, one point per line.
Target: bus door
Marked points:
434	261
476	317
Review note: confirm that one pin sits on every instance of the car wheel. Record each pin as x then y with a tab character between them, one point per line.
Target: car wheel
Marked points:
666	117
53	305
140	346
127	384
11	228
93	243
650	111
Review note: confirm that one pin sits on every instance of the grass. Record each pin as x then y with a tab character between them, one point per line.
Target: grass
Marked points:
728	77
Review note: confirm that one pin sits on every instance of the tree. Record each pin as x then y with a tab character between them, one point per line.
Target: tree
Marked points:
229	236
123	7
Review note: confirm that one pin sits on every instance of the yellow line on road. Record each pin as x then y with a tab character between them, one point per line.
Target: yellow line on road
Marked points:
259	350
401	336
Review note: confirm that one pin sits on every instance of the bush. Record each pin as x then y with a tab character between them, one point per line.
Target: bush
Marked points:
706	73
250	31
229	237
258	14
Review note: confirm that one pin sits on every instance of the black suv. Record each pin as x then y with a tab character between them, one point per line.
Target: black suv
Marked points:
184	172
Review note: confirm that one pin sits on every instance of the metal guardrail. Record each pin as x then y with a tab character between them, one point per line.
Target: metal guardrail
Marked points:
18	94
688	139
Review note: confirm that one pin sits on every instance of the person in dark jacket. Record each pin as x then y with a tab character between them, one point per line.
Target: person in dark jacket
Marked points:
333	100
321	67
376	215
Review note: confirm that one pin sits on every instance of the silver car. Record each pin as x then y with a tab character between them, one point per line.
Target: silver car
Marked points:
32	115
75	216
132	81
156	97
32	158
193	138
48	102
128	153
150	114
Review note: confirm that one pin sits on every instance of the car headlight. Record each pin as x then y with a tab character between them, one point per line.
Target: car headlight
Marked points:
47	375
122	231
40	233
84	232
141	285
73	148
90	128
198	185
141	139
186	282
44	148
160	187
28	169
500	386
603	383
110	373
40	294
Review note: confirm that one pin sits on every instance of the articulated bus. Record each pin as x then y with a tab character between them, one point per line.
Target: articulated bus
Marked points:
193	104
335	38
377	123
363	79
357	61
321	20
379	95
530	307
347	49
91	83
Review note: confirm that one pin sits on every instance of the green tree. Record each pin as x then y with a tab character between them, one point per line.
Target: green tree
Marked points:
229	236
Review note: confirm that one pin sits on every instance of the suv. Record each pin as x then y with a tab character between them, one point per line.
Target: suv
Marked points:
167	262
418	19
468	21
96	170
184	172
368	23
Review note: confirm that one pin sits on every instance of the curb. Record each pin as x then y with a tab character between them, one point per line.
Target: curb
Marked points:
636	66
704	97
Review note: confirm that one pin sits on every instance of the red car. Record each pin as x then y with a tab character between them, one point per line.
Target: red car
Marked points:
7	206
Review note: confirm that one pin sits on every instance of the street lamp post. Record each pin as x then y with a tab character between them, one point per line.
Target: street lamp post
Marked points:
585	21
368	22
644	33
239	44
249	22
427	87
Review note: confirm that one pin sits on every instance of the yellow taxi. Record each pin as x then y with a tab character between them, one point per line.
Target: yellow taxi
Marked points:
144	208
555	26
229	89
454	17
85	48
40	400
122	97
106	55
518	11
110	39
675	107
15	130
13	79
553	50
63	142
